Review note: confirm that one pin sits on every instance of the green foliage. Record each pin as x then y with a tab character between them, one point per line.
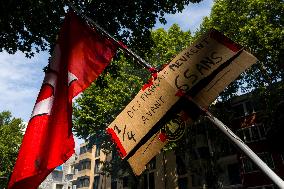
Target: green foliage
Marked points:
167	44
10	139
258	26
98	106
103	100
27	25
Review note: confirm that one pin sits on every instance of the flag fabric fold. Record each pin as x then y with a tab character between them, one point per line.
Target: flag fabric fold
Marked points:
79	57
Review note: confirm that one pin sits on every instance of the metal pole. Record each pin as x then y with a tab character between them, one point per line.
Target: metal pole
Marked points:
120	44
263	166
237	141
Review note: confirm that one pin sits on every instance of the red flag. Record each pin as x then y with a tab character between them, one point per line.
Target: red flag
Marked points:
79	57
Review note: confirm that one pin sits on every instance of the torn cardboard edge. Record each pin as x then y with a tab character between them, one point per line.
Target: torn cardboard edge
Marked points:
191	61
221	38
152	146
120	148
180	93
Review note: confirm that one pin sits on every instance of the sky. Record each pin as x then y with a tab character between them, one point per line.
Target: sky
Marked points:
21	77
190	18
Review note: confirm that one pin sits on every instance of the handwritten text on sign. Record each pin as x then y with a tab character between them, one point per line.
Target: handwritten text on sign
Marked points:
204	98
150	105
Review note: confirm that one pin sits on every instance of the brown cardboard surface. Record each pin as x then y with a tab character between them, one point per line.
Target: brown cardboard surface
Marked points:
149	106
204	98
145	153
209	93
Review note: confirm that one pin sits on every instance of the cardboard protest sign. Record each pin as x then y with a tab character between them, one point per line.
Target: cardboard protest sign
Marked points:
204	98
184	72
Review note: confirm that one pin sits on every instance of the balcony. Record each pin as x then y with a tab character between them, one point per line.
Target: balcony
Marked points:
86	155
57	176
84	172
83	182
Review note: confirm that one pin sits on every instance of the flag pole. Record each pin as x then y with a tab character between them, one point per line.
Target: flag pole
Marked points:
139	60
234	138
237	141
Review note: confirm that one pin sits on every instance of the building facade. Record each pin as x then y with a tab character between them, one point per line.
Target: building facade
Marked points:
252	126
208	159
87	168
214	162
61	177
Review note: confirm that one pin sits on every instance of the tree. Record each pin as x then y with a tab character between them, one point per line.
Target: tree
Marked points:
33	25
11	133
98	106
167	44
258	26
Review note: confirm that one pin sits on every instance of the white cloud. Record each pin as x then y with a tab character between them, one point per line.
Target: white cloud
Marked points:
190	18
20	81
21	78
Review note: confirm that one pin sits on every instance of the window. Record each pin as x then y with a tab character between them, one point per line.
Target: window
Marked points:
84	149
203	152
148	180
243	108
196	181
254	133
226	148
98	149
267	158
83	182
247	135
96	182
181	168
59	186
249	166
70	169
182	183
234	174
113	185
238	110
248	108
145	181
152	164
97	165
151	181
125	181
57	175
85	164
86	182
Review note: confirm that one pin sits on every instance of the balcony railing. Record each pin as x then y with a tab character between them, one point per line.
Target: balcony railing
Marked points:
84	172
85	156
